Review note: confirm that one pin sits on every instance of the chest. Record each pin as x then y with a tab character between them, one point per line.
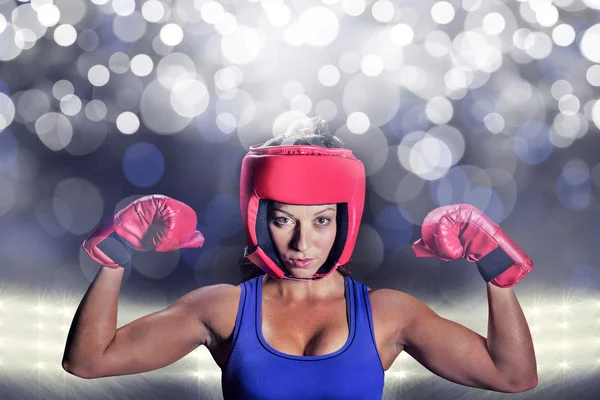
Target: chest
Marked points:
305	330
310	330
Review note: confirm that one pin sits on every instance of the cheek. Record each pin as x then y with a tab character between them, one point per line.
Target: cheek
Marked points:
281	237
276	235
328	237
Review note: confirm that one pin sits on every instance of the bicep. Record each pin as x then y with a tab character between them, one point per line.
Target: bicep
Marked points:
450	350
156	340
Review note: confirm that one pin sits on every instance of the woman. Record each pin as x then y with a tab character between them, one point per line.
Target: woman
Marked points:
300	326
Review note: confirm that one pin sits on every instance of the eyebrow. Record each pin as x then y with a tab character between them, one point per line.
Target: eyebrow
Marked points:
291	215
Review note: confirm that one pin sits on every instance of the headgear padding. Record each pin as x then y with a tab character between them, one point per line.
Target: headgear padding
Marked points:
300	175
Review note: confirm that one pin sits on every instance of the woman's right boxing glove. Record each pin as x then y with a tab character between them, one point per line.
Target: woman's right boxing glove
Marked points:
153	222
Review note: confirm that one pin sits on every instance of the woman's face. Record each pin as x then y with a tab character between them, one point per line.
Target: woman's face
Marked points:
302	233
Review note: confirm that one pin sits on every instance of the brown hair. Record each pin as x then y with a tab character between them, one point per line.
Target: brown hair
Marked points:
248	270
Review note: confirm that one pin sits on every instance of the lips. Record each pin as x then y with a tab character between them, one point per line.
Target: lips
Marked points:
301	263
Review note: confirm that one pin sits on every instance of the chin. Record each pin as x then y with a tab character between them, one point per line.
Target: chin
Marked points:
303	272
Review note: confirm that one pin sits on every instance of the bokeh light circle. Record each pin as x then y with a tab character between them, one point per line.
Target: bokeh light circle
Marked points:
128	122
98	75
119	62
212	12
62	88
130	28
171	34
143	164
439	110
78	205
141	65
65	35
54	130
157	112
174	68
189	98
329	75
10	48
153	11
95	110
593	75
88	138
30	105
596	113
7	111
589	44
358	123
383	10
123	7
563	34
48	15
402	34
242	45
493	23
319	25
426	155
442	12
371	65
70	105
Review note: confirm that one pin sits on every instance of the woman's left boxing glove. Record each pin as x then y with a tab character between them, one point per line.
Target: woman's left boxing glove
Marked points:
461	230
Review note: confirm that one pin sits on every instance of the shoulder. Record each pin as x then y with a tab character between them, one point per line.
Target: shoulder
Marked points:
395	309
397	301
215	306
211	295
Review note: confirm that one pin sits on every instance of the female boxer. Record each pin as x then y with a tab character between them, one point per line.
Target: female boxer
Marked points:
303	328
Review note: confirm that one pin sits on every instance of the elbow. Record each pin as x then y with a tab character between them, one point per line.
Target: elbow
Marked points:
525	385
80	371
532	383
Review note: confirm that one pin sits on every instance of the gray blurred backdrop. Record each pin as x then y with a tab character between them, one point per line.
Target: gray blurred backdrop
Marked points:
486	102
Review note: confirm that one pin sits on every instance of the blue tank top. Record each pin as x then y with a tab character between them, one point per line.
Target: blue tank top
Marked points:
256	370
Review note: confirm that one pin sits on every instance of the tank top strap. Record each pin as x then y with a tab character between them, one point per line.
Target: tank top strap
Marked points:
365	331
244	321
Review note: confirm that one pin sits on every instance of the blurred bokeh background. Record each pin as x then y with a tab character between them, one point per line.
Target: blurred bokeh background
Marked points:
487	102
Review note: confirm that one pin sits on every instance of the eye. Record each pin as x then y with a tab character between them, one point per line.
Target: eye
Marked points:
323	221
281	220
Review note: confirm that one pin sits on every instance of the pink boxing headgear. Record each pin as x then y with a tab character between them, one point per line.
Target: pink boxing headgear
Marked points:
300	175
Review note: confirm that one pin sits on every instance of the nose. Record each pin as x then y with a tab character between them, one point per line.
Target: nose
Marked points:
301	238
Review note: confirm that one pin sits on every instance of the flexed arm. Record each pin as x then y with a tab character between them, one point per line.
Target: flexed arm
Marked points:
150	223
505	360
509	340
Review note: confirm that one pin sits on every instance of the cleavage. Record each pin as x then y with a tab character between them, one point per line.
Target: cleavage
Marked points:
314	330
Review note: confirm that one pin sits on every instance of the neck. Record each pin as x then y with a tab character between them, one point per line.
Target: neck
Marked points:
291	290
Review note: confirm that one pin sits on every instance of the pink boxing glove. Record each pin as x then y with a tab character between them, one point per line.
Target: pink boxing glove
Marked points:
154	222
461	230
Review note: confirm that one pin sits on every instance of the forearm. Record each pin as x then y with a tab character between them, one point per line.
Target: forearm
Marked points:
95	321
509	339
